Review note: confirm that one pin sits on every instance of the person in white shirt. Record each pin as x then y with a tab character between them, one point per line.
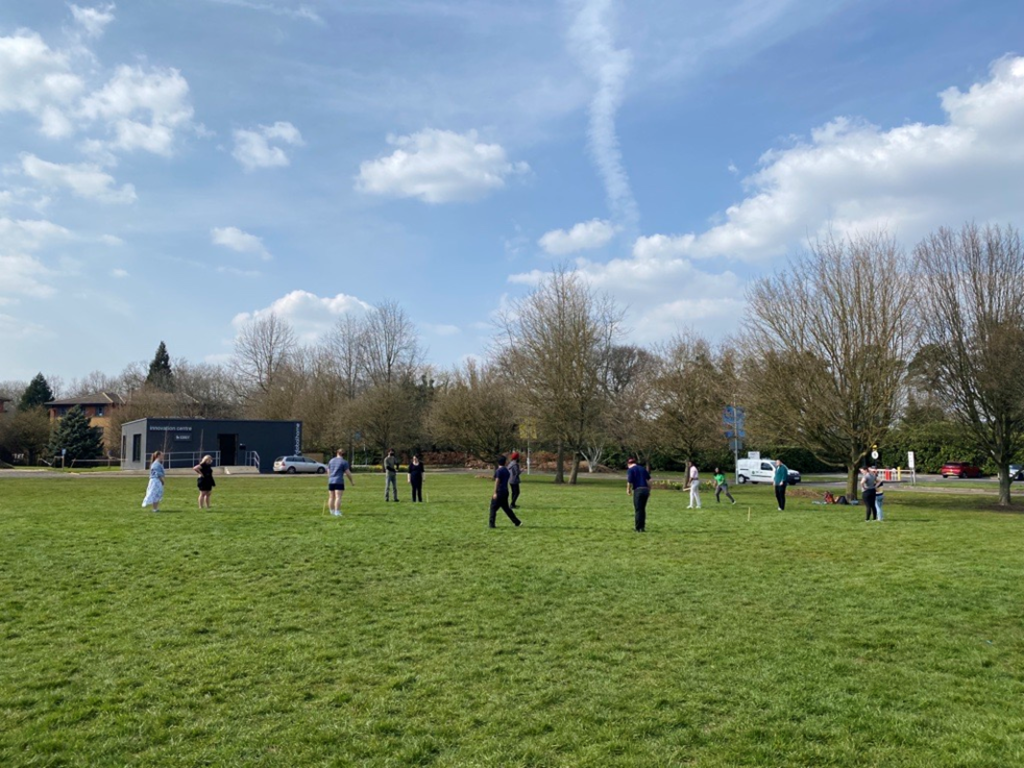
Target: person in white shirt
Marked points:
693	480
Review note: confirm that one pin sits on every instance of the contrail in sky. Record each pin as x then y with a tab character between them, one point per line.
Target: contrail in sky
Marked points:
592	41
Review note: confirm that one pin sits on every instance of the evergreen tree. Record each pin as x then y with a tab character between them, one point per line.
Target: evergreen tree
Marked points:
160	374
74	435
36	394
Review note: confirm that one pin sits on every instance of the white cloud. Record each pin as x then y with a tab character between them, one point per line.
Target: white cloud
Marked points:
592	38
84	180
13	328
93	20
305	12
119	273
24	275
438	166
442	329
584	236
38	80
142	110
17	235
309	315
253	148
849	176
237	240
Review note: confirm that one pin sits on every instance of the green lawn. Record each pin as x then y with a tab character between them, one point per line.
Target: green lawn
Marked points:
266	633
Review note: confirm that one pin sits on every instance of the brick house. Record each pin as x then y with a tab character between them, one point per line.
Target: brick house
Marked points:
98	407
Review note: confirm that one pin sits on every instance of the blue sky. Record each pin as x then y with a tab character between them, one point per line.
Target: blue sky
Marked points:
170	169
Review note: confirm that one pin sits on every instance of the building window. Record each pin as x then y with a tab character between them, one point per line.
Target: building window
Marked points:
99	410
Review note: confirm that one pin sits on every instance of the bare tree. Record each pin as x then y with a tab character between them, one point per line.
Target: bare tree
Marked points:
93	382
693	386
390	350
630	382
827	341
556	343
263	349
972	311
473	411
345	344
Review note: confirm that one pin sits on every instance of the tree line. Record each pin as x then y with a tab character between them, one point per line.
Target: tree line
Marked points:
854	344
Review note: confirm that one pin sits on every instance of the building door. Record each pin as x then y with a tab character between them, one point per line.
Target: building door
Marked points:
136	448
228	446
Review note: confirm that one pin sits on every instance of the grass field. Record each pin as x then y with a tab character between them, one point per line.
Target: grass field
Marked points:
266	633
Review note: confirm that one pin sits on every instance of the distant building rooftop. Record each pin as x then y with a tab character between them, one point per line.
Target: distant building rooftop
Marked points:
96	398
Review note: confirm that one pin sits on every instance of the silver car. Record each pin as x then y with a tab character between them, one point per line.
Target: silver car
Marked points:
293	464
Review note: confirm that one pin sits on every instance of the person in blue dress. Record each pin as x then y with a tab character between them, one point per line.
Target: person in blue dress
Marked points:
155	489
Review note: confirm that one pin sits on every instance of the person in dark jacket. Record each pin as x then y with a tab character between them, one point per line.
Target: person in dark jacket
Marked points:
499	499
391	470
638	486
416	478
513	478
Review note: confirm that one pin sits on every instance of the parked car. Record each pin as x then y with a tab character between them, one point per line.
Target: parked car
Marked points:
959	469
1016	472
294	464
761	470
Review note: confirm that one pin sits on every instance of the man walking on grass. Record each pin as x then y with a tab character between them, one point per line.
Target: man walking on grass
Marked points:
499	499
637	486
780	478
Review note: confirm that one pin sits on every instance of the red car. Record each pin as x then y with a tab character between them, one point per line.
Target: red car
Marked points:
959	469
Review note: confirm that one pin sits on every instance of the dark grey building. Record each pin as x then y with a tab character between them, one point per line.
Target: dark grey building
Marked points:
231	442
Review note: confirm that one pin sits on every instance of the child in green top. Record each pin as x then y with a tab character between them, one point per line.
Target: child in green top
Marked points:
722	486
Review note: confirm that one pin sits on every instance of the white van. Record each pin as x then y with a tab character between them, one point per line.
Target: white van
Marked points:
760	471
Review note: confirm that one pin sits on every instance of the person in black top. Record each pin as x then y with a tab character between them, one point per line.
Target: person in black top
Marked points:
499	500
205	482
416	478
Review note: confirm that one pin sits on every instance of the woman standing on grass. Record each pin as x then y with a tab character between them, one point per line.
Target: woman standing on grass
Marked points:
205	482
416	478
155	489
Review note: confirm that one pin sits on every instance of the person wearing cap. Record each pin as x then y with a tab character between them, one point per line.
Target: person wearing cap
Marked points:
513	477
638	486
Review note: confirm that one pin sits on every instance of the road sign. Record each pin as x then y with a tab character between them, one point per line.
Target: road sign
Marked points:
874	454
733	417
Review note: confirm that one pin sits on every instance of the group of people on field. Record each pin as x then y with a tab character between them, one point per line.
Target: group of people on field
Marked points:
638	486
506	489
505	496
